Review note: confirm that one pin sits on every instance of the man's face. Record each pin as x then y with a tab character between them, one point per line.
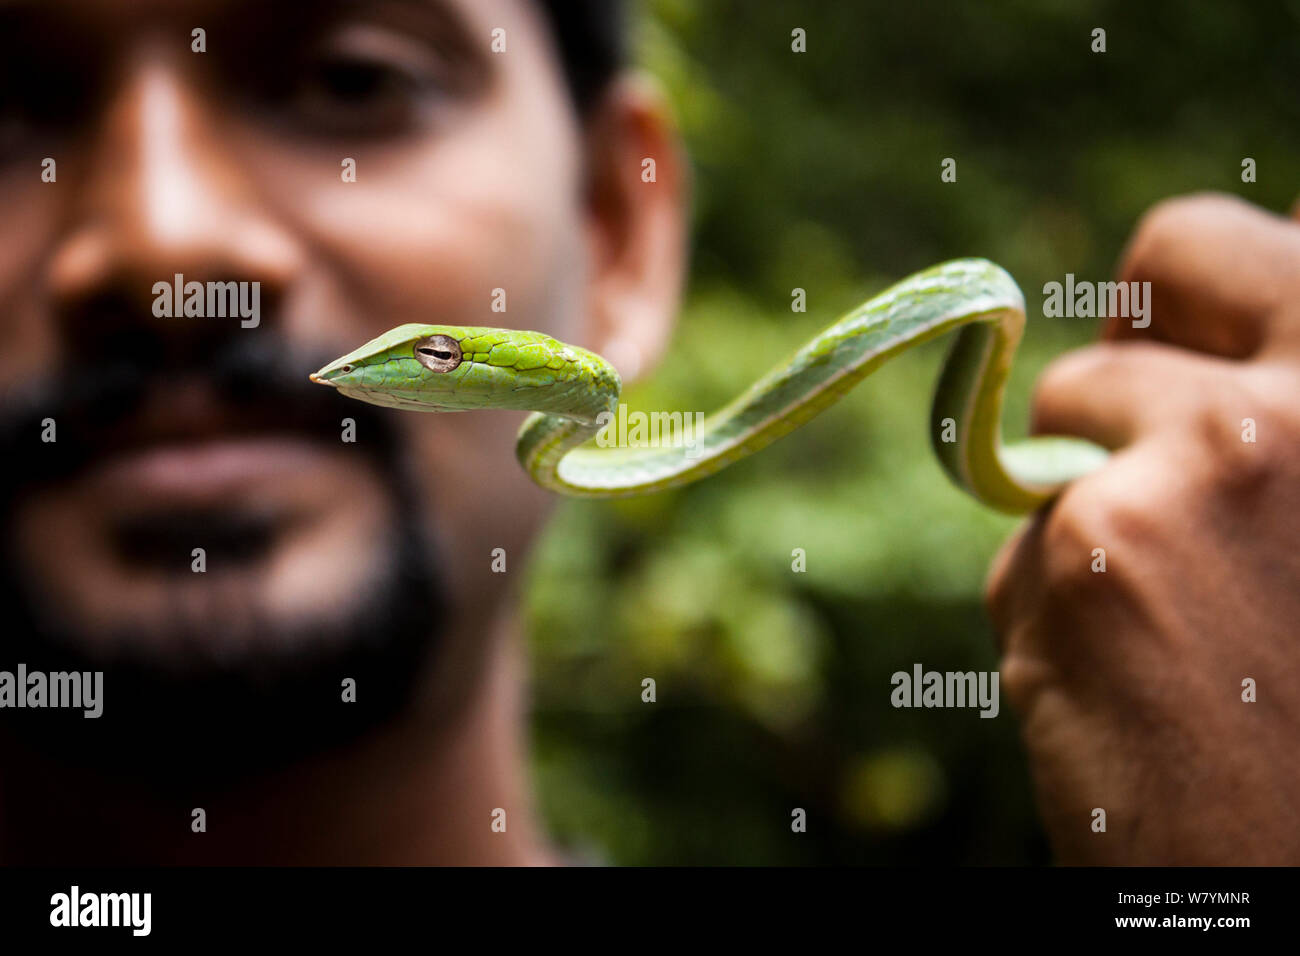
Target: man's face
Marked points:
182	433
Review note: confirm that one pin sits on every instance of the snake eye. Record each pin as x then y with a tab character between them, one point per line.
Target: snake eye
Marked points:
438	353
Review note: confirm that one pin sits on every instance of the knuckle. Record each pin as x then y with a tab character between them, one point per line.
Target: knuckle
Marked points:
1021	677
1274	389
1089	536
997	594
1065	371
1005	588
1166	225
1072	536
1238	435
1217	430
1001	586
1065	378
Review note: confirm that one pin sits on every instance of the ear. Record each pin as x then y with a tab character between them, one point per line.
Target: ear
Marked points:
637	189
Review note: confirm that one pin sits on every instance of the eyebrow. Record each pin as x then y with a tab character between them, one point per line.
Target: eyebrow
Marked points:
420	14
437	23
437	20
278	24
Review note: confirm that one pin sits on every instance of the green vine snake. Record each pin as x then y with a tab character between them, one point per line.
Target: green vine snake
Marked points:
572	392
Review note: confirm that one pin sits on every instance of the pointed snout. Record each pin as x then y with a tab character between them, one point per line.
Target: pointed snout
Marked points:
330	373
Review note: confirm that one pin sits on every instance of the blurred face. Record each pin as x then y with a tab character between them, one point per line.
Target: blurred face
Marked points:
189	442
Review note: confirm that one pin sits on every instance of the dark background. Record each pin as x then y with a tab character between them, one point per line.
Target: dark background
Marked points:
821	171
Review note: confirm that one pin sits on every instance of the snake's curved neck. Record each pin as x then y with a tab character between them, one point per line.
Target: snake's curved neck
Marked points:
971	295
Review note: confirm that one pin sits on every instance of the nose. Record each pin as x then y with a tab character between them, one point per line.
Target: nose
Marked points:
163	194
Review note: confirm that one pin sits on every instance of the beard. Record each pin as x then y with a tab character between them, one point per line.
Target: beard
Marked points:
239	690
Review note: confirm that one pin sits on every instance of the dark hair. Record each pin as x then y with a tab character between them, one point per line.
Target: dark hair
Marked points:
591	37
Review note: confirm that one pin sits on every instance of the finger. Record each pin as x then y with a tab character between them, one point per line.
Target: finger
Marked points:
1222	273
1007	590
1112	392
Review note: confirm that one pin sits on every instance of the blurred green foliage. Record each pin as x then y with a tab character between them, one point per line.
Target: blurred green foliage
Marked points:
821	171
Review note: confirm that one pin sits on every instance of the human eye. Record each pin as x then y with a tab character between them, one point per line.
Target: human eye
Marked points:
361	80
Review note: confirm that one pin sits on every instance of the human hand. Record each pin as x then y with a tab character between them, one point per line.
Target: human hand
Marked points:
1129	682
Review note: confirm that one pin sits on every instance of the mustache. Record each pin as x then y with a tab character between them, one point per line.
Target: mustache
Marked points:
88	406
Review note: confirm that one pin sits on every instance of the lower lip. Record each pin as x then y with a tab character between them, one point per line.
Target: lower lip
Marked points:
215	471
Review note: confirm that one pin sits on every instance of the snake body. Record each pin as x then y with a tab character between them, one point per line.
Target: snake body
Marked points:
573	392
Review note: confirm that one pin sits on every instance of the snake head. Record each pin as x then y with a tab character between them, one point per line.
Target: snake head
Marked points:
445	368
